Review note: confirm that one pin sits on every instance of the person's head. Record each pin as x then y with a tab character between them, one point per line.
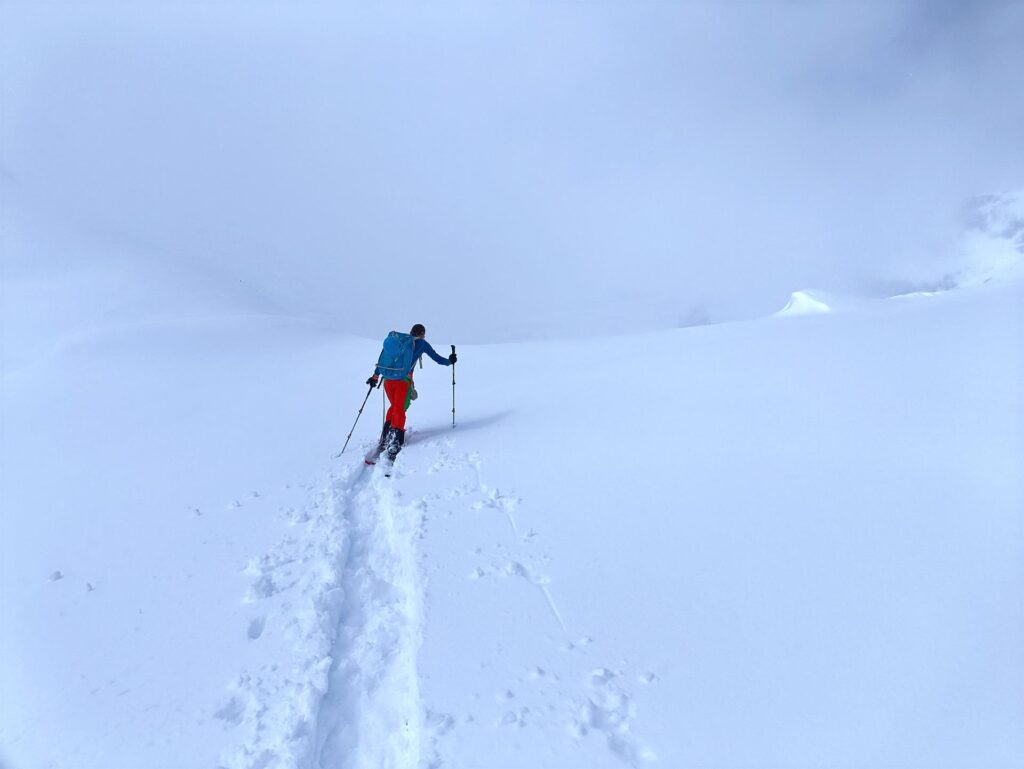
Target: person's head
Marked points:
418	331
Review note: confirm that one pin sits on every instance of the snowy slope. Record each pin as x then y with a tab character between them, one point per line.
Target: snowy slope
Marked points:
791	541
794	541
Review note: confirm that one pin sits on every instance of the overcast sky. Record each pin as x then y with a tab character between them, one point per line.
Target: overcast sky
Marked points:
505	170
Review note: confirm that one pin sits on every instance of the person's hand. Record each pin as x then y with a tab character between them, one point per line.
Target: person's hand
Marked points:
373	381
452	358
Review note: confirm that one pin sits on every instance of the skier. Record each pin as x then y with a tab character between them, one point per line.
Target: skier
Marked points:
396	363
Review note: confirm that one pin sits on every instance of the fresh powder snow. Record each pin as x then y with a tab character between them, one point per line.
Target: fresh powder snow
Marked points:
735	476
795	541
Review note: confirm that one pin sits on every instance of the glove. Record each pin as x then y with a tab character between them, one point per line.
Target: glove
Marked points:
372	381
413	395
452	358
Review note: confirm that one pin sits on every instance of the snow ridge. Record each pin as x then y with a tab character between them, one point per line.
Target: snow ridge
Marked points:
806	302
344	601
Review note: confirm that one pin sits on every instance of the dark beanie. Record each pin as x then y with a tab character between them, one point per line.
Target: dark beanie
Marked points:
418	330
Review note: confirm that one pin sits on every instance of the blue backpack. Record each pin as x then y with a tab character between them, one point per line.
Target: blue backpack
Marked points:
395	361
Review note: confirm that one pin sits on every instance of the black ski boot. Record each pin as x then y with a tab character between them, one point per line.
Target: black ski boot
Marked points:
383	436
395	441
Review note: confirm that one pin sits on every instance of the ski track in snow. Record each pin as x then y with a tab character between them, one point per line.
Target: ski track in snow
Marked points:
343	595
370	714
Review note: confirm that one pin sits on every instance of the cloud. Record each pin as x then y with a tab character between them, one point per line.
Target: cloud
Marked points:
504	170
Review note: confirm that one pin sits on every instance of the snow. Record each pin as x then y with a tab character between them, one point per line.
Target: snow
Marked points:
712	533
993	246
747	544
805	303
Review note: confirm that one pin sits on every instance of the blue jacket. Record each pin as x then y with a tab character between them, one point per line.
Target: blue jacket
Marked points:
421	346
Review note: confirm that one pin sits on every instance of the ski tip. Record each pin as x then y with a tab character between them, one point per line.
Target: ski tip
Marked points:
367	461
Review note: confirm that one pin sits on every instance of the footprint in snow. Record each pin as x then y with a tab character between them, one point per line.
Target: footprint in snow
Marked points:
609	710
579	644
515	718
263	587
256	628
439	724
231	712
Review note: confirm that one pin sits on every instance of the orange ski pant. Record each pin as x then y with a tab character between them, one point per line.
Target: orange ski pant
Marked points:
397	391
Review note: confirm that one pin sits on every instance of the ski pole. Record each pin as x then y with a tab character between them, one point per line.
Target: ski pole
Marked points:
355	423
453	390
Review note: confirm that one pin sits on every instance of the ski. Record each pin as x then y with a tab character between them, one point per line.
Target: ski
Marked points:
373	455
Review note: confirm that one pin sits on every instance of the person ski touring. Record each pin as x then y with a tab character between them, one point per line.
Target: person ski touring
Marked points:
397	359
